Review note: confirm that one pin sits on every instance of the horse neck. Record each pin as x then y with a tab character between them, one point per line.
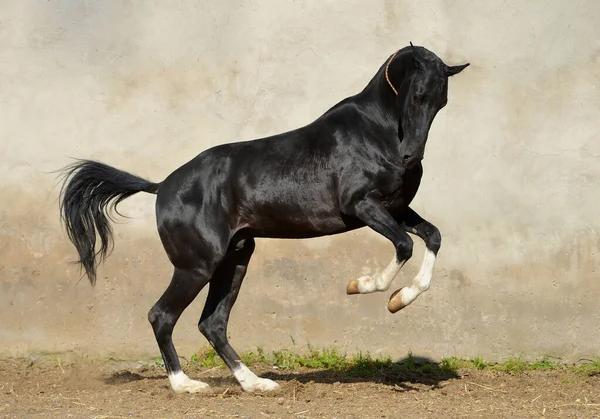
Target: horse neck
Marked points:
378	91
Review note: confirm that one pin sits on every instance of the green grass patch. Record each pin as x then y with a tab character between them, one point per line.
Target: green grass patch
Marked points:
519	366
479	363
364	364
590	368
512	366
254	358
206	357
330	359
455	364
545	364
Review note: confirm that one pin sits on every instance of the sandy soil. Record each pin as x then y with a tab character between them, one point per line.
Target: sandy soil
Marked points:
32	389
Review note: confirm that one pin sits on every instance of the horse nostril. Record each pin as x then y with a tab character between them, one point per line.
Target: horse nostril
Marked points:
406	158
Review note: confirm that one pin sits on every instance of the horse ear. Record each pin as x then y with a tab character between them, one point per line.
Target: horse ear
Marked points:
414	50
455	69
415	54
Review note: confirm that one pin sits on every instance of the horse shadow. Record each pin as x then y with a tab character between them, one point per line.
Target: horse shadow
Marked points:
409	373
404	374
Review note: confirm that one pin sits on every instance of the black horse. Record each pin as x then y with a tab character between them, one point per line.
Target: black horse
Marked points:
357	165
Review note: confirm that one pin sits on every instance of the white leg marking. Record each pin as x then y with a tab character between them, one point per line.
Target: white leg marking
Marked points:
382	281
422	281
181	383
250	382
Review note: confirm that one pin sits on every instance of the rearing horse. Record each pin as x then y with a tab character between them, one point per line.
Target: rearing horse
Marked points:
357	165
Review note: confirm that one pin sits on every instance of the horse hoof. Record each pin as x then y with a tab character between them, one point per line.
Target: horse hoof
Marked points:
262	384
395	304
352	288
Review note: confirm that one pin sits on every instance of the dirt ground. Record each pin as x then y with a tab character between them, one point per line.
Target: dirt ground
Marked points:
32	389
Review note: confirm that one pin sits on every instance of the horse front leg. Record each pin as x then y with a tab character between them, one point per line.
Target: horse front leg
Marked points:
375	216
430	234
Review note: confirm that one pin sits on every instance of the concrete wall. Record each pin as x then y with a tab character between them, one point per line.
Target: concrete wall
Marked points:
511	169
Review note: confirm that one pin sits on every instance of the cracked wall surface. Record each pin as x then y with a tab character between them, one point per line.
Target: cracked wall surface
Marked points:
511	169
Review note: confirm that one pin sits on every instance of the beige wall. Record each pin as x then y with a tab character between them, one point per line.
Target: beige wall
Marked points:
511	169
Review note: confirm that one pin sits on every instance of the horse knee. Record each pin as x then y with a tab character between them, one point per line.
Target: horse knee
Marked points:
245	247
404	250
204	328
214	332
154	315
434	240
162	323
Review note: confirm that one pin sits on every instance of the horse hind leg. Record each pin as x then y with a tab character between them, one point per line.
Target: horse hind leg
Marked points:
224	289
184	287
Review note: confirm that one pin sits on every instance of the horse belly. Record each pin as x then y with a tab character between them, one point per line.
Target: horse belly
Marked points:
295	214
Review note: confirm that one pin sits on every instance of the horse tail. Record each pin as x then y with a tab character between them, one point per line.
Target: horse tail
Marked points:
90	192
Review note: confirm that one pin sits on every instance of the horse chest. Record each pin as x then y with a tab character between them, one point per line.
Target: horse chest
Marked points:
402	189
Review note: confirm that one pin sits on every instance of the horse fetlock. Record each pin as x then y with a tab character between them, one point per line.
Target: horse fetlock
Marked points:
364	285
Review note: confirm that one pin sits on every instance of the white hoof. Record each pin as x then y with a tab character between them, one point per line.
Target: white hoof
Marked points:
261	384
181	383
250	382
